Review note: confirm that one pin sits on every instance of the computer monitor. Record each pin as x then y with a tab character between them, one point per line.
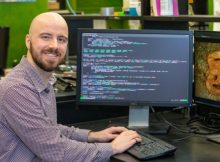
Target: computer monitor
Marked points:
207	68
73	24
136	68
4	43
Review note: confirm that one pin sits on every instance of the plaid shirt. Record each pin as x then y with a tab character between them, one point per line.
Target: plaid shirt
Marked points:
28	128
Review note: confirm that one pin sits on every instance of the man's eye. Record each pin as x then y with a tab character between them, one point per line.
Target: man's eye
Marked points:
62	40
45	37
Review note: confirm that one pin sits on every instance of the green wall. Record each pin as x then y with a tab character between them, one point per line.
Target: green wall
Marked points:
210	12
18	15
94	6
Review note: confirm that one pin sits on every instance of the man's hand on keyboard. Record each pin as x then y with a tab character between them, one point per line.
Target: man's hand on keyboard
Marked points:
124	141
105	135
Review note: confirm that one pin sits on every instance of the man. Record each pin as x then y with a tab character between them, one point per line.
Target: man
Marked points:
28	128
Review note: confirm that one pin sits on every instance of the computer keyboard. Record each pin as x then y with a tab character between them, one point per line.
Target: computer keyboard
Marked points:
151	147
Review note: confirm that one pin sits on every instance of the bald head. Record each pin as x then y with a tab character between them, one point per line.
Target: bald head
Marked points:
47	18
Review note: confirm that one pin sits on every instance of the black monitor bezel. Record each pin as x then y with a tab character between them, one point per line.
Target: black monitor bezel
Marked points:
4	45
115	103
205	36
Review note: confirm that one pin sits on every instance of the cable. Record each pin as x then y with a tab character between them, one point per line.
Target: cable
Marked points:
70	8
181	139
191	128
199	125
196	126
210	121
175	126
160	117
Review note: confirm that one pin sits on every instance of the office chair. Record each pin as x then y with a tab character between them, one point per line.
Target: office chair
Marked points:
4	43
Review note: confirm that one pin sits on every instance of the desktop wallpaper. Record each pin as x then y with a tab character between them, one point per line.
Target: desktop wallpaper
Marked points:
207	70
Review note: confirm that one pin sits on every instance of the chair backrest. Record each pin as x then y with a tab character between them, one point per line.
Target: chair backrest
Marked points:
4	43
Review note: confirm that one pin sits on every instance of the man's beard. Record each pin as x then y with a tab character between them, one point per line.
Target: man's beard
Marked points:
49	67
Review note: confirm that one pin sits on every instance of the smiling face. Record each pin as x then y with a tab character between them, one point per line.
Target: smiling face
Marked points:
47	41
213	78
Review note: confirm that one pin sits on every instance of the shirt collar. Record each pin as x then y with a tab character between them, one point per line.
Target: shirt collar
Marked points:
35	76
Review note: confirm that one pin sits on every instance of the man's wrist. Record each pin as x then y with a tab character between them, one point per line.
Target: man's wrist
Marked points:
91	137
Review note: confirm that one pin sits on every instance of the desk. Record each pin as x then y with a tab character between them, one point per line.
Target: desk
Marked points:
191	149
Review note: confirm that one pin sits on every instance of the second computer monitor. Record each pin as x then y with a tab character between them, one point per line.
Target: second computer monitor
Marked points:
207	68
137	68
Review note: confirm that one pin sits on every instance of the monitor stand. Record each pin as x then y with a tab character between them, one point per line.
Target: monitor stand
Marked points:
139	120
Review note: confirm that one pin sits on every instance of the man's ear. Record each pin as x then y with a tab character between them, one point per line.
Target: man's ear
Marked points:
27	41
